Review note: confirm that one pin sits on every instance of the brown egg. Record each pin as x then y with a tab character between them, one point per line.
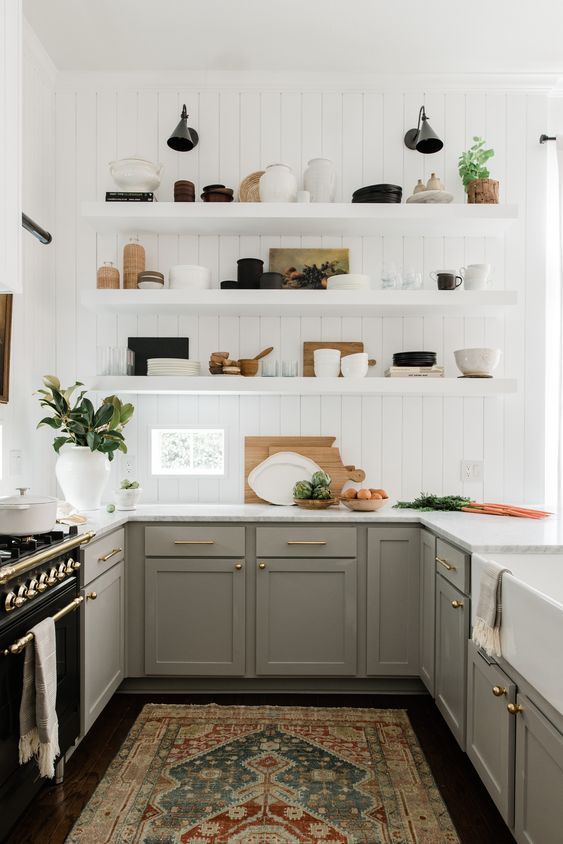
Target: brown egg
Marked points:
349	493
364	494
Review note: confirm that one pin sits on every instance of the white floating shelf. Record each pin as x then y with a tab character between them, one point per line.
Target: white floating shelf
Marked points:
280	219
237	385
301	302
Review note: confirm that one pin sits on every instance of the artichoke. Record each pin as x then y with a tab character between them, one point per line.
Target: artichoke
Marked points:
321	479
303	489
321	493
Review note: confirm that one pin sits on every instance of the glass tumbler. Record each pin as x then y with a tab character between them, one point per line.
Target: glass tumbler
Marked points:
270	368
289	368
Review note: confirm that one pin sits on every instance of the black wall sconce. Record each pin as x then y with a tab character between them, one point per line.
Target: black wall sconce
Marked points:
423	139
183	138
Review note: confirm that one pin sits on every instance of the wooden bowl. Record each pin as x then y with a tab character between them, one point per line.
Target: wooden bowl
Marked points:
315	503
248	366
365	505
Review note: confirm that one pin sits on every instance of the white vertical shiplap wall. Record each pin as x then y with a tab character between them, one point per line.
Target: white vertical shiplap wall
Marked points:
405	444
33	327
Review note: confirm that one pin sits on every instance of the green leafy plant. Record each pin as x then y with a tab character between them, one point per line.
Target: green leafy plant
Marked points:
125	484
472	162
79	422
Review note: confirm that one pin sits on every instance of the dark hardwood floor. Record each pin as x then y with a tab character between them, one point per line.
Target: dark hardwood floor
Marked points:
54	811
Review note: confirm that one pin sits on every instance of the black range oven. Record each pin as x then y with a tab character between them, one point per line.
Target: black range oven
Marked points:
41	580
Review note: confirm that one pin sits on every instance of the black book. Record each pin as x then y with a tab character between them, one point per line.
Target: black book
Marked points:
129	196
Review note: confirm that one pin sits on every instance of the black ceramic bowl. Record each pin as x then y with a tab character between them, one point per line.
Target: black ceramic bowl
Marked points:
271	281
229	285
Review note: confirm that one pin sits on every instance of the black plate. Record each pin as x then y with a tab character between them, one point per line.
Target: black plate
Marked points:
378	189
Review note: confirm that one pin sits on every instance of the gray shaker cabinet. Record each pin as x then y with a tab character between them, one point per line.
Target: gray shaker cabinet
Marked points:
452	633
491	728
427	629
195	616
306	613
393	579
539	777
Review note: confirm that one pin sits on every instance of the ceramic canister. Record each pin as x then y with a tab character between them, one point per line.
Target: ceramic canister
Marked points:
320	180
278	184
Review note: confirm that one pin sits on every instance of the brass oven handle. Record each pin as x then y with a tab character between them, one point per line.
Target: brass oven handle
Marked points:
307	542
194	542
445	563
18	646
111	554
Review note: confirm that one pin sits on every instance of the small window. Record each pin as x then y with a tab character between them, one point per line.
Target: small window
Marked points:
188	451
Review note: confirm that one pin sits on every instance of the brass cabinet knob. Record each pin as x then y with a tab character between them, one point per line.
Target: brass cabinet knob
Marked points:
514	708
261	565
457	605
499	691
91	596
238	566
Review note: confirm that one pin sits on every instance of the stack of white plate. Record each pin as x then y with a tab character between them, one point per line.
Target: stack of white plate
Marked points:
172	366
351	281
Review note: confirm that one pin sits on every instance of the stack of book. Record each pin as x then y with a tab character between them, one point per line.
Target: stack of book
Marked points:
130	196
415	372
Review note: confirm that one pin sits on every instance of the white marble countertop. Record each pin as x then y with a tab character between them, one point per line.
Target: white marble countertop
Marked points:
471	532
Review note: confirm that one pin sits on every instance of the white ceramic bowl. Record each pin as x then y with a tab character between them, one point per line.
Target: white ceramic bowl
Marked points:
189	276
150	285
326	355
136	174
355	366
348	281
477	362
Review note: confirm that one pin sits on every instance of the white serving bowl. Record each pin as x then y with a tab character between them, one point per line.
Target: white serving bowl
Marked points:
136	174
189	276
355	366
348	281
479	363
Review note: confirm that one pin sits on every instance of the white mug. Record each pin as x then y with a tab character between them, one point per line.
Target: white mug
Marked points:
476	276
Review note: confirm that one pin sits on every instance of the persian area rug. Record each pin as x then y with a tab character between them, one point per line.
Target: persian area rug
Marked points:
267	775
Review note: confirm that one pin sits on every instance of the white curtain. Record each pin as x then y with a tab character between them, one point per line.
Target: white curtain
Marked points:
554	326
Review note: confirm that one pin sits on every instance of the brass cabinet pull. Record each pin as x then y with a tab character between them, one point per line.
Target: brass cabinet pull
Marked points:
91	596
499	691
238	566
445	563
261	565
111	554
457	605
194	542
307	542
514	708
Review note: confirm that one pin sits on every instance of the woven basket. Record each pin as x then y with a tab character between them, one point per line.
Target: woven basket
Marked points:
107	277
483	192
133	263
249	187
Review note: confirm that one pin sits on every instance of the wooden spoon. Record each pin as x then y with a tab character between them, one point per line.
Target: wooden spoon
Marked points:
264	353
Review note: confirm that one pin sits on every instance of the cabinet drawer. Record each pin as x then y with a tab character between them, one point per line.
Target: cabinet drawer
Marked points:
101	555
194	541
453	564
299	541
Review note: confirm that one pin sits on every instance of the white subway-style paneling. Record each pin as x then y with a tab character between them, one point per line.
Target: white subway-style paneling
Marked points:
405	444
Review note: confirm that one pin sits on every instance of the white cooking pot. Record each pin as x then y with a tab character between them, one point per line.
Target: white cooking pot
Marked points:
24	515
136	174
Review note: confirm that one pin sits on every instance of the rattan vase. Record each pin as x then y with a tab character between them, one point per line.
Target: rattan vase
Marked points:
133	263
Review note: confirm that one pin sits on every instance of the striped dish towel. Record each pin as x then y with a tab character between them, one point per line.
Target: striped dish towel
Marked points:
39	725
486	630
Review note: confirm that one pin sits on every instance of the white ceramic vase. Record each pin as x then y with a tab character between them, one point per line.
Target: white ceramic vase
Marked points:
320	180
278	184
82	475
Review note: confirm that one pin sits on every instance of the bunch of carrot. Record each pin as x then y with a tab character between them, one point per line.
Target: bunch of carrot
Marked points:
505	510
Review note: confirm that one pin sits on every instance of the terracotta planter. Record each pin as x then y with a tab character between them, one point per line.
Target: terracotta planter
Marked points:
483	191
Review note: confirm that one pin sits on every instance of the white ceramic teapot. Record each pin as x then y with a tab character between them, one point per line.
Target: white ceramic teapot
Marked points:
136	174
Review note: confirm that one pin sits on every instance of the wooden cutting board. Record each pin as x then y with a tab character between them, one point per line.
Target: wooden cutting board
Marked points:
257	449
349	348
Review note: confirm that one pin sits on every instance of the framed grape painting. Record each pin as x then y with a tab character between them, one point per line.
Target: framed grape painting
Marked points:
308	269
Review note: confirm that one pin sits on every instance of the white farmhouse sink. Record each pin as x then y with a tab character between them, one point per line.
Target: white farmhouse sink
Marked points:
532	618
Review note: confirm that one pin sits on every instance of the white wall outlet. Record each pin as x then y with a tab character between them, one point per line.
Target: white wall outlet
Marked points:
471	470
129	465
15	463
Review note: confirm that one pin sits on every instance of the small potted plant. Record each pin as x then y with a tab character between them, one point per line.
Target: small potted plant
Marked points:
127	496
472	167
87	439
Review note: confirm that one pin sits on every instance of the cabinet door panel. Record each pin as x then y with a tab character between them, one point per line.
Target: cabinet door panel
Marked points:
306	617
452	633
491	729
103	642
539	778
194	616
427	608
393	601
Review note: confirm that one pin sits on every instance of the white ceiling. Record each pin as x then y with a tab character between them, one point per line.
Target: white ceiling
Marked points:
353	36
